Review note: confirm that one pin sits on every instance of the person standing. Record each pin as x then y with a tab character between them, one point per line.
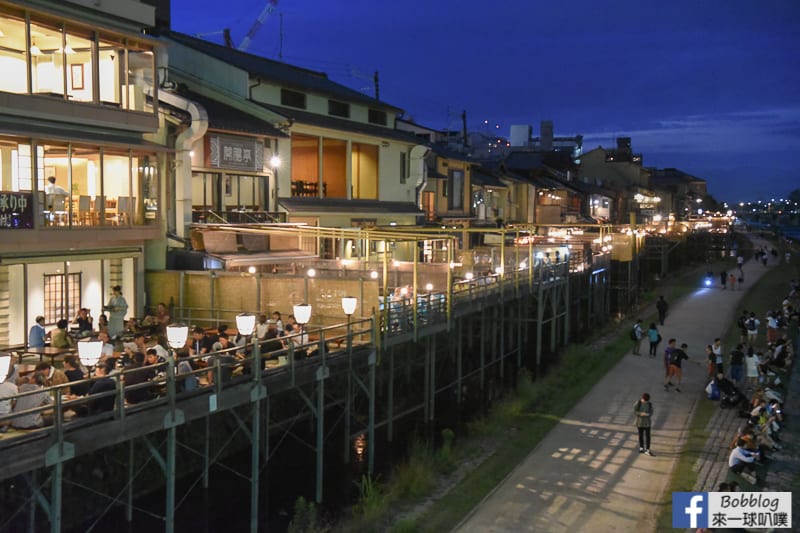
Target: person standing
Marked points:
37	334
712	362
732	280
723	278
117	307
643	411
751	364
752	329
654	337
670	349
637	337
661	307
737	364
674	368
718	357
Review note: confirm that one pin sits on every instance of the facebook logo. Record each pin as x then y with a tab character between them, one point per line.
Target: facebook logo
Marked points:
689	509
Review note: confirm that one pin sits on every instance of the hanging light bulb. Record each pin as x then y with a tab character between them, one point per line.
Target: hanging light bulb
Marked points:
35	51
68	50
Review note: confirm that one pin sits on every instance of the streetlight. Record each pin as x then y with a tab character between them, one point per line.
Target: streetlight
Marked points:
176	338
89	353
349	304
246	323
302	314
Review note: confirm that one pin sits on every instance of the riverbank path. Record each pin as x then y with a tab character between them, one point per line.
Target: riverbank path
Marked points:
587	474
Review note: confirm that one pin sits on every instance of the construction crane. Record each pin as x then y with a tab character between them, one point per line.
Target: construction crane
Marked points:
265	13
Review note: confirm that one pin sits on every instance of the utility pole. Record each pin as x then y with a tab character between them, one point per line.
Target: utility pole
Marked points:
377	86
464	127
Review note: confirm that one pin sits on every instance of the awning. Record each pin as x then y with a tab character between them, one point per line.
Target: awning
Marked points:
94	138
13	258
262	258
301	204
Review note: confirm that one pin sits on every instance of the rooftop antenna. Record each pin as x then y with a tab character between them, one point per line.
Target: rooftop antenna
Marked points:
280	45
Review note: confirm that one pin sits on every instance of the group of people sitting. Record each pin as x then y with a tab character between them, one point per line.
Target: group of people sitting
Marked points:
141	359
753	384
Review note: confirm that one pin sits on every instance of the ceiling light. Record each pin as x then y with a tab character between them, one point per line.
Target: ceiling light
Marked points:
68	50
35	50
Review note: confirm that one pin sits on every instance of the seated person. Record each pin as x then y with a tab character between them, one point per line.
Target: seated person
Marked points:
199	343
52	377
158	321
107	351
84	321
276	318
101	385
59	337
138	374
161	352
225	360
37	335
155	362
73	372
32	383
742	461
191	381
262	327
8	389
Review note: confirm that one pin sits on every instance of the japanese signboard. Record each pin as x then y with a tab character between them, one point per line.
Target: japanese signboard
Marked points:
236	153
16	210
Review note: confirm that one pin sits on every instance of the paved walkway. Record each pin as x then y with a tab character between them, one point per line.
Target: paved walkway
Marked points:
587	473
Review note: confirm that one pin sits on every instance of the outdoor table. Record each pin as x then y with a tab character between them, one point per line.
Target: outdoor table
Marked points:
49	351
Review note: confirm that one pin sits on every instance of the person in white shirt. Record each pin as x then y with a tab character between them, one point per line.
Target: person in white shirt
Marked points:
53	191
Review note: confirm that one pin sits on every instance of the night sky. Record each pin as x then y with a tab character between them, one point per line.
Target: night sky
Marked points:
711	87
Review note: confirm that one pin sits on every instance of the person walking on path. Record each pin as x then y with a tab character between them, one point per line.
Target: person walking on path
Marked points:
661	307
668	351
654	337
732	280
677	357
637	335
643	411
723	278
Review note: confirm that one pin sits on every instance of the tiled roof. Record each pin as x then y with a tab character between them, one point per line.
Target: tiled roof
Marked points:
224	117
323	121
281	73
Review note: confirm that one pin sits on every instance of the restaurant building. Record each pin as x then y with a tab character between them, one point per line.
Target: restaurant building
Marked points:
80	178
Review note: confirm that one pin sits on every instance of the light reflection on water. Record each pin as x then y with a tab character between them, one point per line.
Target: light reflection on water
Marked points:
360	448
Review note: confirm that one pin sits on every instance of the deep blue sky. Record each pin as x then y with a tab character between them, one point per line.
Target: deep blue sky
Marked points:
708	86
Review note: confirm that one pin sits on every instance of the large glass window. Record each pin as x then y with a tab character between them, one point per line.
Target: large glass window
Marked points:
59	59
456	187
365	171
47	60
140	69
334	168
78	55
13	55
111	62
305	165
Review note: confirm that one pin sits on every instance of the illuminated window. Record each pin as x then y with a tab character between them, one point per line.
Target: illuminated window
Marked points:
62	296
